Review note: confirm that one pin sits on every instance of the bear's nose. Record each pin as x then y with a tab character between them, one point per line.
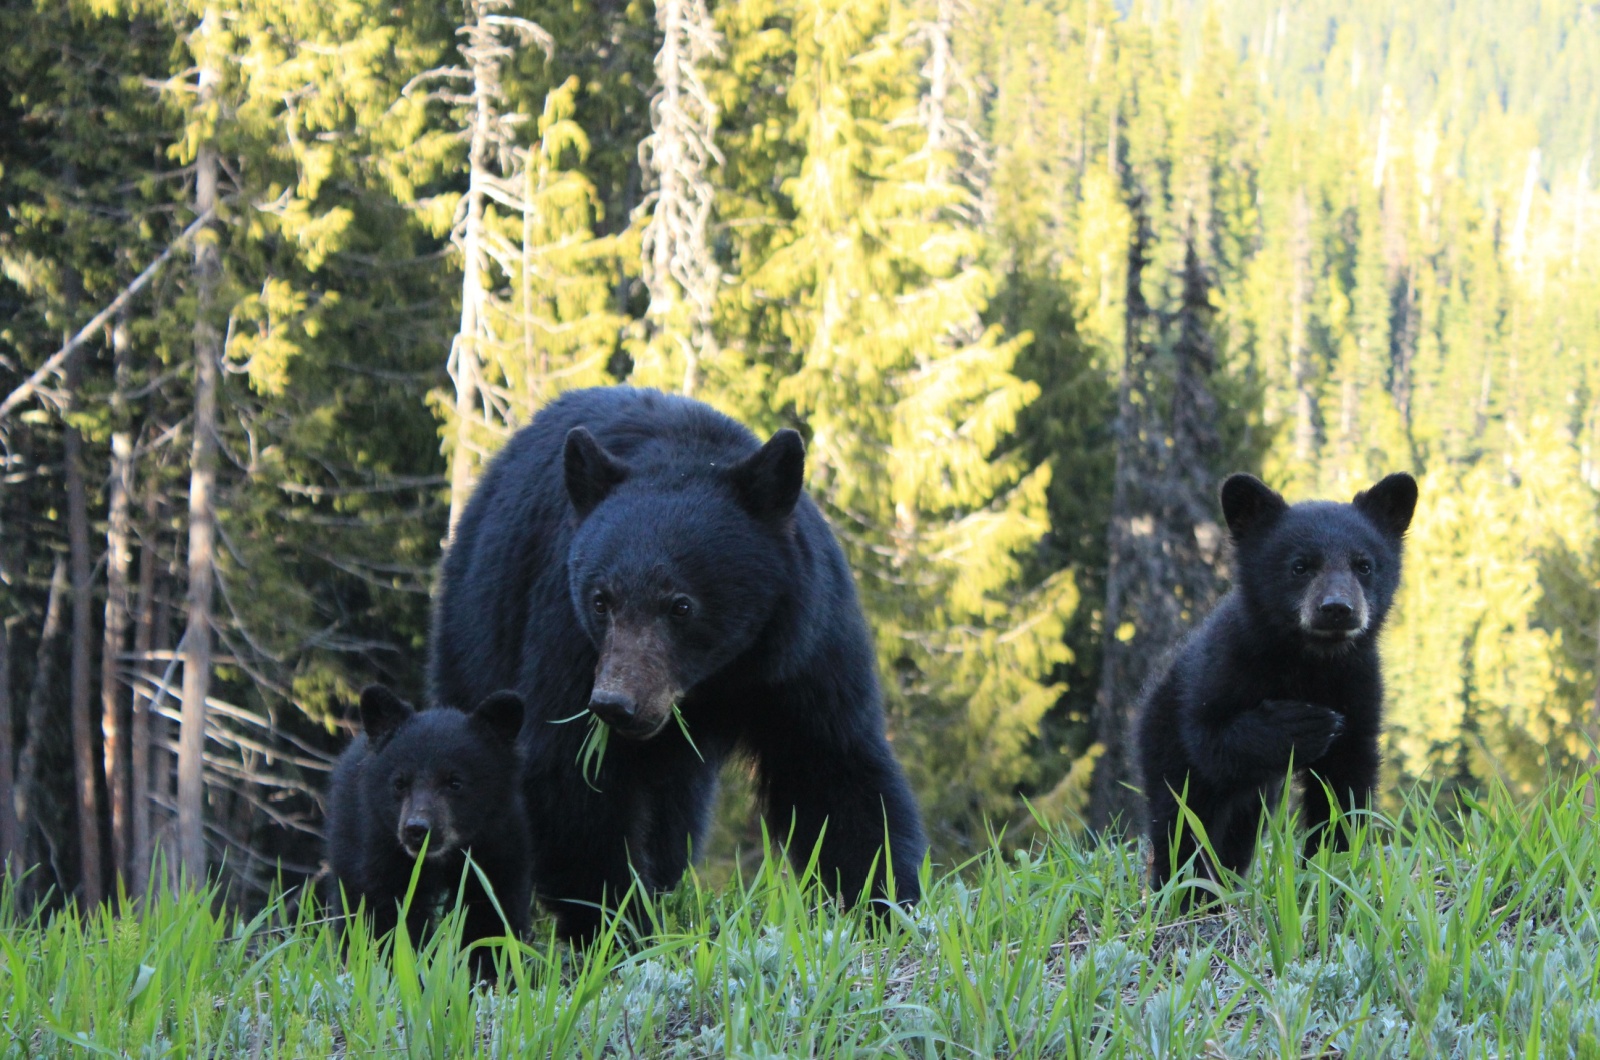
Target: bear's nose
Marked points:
613	708
1336	608
415	831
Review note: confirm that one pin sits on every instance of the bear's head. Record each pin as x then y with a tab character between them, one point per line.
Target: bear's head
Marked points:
675	571
1325	570
439	775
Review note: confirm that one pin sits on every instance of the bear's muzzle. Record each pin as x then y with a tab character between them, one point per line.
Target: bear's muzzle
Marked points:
634	688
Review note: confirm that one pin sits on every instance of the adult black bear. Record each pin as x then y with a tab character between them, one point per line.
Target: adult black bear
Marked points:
1285	667
629	552
450	778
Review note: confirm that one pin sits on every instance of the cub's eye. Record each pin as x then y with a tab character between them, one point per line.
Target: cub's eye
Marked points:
1362	567
453	782
1299	568
401	784
681	607
601	604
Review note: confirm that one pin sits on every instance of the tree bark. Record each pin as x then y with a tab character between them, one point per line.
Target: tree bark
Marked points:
10	834
677	262
39	697
118	560
139	735
163	742
202	485
465	360
84	768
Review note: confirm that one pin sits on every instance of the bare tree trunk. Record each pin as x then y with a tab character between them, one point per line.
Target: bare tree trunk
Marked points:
491	173
163	759
139	729
1519	231
678	265
464	370
10	834
84	768
118	560
465	360
202	486
39	697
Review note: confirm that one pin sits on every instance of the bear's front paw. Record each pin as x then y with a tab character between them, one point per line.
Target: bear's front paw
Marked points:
1309	729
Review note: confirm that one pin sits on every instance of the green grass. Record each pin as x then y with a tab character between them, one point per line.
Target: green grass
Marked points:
1472	935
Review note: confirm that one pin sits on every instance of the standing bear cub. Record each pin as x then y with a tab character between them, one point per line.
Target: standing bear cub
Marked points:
631	554
1285	669
443	778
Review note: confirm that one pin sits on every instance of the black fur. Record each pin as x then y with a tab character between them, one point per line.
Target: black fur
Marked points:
449	776
1286	666
628	550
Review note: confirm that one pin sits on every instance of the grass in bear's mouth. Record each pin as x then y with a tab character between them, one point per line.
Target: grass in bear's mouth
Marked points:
592	752
683	727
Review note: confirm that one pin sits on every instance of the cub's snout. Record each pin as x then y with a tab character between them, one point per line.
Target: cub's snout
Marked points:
1334	606
426	814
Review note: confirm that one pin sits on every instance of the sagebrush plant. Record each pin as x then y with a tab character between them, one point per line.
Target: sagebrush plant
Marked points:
1465	934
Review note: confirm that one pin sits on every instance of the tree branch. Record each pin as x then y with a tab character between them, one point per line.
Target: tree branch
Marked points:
59	358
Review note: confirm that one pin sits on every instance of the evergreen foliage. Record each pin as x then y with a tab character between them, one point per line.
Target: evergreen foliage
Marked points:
1030	274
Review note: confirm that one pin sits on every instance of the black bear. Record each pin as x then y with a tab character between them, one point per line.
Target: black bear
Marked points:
1285	668
443	777
636	556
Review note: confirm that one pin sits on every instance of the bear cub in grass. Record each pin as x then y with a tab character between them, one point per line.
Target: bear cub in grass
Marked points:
442	777
1285	669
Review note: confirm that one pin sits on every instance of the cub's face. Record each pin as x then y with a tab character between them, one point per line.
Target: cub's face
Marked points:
674	578
1326	570
440	776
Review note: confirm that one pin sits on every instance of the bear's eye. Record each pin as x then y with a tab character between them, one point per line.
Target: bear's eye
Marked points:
1299	568
1362	567
682	607
453	782
601	604
401	784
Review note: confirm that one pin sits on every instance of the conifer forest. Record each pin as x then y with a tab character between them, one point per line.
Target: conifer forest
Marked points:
1029	276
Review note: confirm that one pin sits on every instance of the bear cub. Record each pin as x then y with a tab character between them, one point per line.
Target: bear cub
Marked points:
449	779
1284	669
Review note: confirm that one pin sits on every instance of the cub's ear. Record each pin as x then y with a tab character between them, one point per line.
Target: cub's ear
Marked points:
592	473
382	712
1390	503
768	483
1249	505
502	714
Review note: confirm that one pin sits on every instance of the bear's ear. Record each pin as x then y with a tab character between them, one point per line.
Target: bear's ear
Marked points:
382	712
1248	504
1390	503
502	714
769	482
592	473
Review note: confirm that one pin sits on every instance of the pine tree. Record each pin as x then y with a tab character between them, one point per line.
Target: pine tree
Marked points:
909	402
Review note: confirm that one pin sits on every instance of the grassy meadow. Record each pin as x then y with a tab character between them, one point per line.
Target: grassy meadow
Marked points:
1470	933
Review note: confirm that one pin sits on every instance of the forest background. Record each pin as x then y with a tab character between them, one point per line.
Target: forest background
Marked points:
1030	275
